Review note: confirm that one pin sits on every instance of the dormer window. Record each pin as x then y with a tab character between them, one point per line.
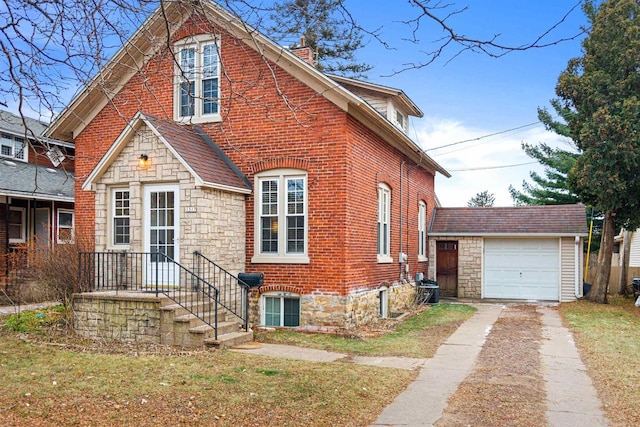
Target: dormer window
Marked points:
197	91
400	120
13	147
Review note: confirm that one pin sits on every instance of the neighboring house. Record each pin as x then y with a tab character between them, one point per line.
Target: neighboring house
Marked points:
520	253
36	191
257	160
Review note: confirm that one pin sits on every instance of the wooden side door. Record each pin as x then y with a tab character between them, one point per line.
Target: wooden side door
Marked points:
447	268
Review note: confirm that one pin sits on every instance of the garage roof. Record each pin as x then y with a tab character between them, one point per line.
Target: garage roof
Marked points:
549	220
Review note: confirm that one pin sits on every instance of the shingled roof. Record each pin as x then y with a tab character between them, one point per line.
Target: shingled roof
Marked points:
556	220
208	164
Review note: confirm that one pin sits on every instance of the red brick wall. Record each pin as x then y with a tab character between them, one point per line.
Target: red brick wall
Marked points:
259	132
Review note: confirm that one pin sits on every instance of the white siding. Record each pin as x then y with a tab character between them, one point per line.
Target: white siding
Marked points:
568	269
634	252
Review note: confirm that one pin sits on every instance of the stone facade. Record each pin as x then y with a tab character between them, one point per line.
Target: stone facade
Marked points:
469	264
356	309
110	317
214	224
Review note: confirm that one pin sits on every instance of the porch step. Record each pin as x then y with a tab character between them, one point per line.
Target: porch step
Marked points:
229	340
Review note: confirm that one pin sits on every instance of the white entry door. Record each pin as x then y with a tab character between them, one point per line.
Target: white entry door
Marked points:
161	233
522	269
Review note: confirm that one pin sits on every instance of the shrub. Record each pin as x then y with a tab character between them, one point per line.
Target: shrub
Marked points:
32	321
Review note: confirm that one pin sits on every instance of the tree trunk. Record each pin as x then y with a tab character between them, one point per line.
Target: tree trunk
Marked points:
624	267
600	286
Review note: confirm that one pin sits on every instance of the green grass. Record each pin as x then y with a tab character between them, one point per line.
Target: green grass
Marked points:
608	337
417	336
33	320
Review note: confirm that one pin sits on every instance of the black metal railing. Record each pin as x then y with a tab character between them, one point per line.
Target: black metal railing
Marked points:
149	272
233	292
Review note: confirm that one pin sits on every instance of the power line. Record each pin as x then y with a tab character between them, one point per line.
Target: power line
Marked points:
490	167
482	137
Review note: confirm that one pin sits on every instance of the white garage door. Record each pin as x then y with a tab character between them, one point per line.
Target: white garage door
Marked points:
521	269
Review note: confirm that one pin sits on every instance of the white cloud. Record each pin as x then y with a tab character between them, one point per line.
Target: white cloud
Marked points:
479	165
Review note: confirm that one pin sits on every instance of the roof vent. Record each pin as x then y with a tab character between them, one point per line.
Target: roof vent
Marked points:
51	170
10	163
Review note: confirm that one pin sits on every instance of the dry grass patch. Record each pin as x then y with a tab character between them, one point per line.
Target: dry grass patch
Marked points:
418	335
608	337
66	383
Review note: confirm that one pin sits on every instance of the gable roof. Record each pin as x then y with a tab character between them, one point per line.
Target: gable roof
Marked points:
208	165
28	180
139	48
550	220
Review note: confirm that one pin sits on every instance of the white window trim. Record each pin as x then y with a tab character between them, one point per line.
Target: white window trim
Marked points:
13	139
195	41
112	214
73	226
384	211
281	257
282	295
23	228
422	231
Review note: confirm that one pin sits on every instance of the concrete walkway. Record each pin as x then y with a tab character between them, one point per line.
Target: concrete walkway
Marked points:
571	398
424	401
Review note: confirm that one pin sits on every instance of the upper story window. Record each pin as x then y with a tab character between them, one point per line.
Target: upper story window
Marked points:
422	231
281	217
384	216
65	226
197	89
120	208
13	147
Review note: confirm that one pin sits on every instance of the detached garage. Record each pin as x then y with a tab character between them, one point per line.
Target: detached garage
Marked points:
515	253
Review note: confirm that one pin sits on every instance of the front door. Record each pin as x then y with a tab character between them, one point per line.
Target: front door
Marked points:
447	268
42	227
161	232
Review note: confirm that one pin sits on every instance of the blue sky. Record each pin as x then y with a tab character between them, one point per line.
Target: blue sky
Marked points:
473	95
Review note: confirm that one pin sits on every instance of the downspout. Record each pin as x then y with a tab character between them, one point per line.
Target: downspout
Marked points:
6	232
577	264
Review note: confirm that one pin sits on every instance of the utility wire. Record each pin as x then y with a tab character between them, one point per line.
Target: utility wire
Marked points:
482	137
490	167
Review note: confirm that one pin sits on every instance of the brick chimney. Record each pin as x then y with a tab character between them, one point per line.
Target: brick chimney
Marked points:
304	52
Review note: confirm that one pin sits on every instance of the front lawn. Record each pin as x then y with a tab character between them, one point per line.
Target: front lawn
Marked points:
608	337
417	336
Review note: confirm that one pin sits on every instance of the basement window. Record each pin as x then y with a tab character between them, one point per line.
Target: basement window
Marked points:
280	309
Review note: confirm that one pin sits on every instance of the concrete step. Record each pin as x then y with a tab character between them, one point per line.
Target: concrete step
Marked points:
229	340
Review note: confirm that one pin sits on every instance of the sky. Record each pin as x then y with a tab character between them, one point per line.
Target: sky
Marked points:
472	95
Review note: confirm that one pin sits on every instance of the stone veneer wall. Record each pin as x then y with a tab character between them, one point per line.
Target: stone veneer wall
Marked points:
216	228
469	264
356	309
110	317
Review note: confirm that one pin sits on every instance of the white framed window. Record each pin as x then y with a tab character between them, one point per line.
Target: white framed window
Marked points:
280	309
64	230
13	147
422	231
384	216
17	225
281	226
197	86
120	223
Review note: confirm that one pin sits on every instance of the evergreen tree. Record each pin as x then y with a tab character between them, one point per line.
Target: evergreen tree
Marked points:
482	200
327	28
601	90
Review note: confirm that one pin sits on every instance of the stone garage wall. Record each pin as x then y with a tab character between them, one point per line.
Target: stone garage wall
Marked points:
469	264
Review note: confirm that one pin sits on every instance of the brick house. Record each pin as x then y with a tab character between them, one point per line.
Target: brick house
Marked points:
36	193
259	162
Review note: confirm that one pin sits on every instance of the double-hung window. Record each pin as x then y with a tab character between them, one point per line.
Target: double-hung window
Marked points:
422	231
198	80
121	210
384	216
17	225
281	217
65	226
13	147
